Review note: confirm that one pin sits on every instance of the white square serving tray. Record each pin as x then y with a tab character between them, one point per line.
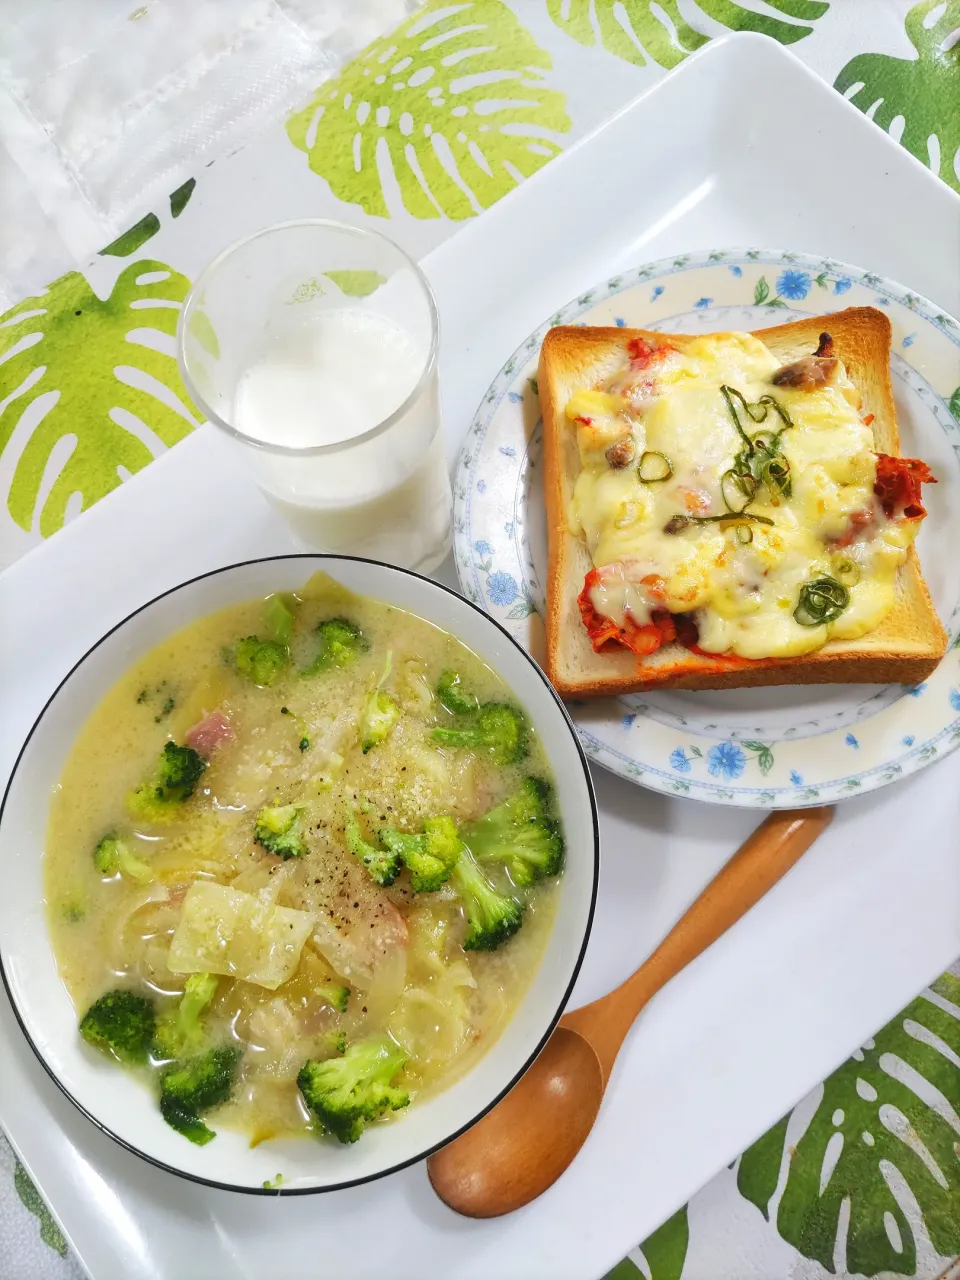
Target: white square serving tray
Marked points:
741	145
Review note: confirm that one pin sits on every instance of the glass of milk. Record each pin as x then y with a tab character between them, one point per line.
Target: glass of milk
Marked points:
314	346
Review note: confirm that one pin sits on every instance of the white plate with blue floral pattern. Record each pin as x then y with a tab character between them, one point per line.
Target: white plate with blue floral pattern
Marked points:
781	747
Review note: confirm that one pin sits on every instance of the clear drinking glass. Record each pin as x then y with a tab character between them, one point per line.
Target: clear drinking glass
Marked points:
313	345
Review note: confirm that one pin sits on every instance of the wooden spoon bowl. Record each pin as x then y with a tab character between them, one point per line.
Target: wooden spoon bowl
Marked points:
524	1144
488	1171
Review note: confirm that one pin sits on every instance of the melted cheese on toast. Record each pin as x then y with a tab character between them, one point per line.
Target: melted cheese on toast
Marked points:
742	594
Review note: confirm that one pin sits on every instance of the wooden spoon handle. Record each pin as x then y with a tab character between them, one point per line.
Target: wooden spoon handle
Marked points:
766	855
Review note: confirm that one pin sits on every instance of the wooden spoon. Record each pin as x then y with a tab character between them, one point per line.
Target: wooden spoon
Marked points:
529	1138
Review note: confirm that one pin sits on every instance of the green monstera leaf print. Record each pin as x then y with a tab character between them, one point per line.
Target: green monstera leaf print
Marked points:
664	1252
636	30
136	237
886	1131
31	1199
451	109
89	389
924	91
629	28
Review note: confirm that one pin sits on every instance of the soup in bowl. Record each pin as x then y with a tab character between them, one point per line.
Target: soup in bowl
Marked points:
309	869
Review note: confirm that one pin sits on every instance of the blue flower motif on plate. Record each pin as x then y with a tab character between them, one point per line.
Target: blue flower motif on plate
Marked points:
909	340
955	699
502	588
842	285
915	690
619	322
483	548
736	271
514	397
726	760
508	528
908	740
851	741
481	486
627	721
793	284
678	759
796	778
507	450
657	290
702	303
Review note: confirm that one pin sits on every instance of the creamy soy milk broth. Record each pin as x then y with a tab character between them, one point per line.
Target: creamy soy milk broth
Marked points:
296	741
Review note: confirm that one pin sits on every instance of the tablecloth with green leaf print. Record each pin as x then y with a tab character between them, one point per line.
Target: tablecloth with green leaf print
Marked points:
429	126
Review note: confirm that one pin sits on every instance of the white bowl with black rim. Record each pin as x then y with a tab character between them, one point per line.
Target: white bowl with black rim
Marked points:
120	1104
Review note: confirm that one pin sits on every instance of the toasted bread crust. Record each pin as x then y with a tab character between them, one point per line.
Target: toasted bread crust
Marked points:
905	648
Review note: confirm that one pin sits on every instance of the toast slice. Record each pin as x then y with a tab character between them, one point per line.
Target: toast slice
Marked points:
904	648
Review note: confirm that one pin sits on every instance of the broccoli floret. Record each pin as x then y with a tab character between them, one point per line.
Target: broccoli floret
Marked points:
279	617
188	1088
174	781
180	1031
341	642
334	995
180	770
492	918
204	1081
429	856
185	1122
346	1094
112	855
279	830
401	842
519	834
122	1024
261	661
496	727
336	1043
454	696
383	864
381	711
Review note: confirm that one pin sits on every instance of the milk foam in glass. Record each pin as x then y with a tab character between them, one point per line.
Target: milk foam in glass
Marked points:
314	345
